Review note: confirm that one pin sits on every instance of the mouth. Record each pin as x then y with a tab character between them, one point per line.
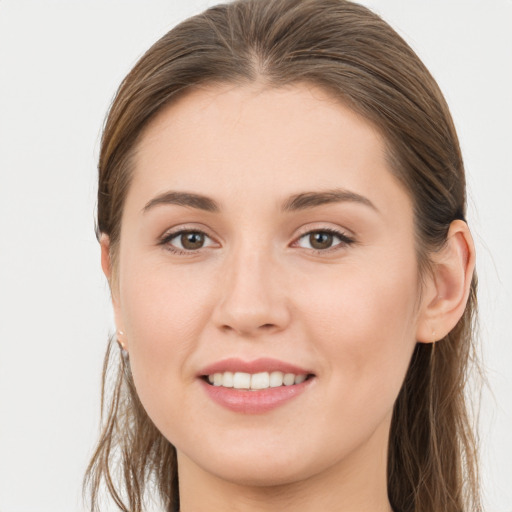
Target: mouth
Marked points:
254	387
255	381
257	375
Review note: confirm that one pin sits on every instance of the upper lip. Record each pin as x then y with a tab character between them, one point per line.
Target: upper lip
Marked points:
264	364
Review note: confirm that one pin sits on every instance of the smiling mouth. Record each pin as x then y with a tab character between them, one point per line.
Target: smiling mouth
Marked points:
255	381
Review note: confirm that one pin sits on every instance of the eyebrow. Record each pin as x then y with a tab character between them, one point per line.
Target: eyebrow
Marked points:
187	199
302	201
307	200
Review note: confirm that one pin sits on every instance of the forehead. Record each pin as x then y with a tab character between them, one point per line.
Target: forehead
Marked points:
274	142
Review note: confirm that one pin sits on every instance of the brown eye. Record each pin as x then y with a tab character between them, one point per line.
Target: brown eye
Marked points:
192	240
320	240
324	239
187	241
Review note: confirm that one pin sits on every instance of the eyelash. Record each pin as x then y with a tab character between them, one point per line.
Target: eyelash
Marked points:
166	241
344	240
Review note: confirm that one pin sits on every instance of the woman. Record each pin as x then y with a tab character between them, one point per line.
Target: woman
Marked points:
281	212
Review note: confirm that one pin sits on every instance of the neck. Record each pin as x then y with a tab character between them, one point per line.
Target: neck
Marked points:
358	483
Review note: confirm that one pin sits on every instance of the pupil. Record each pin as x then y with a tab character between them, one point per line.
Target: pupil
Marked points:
320	240
192	240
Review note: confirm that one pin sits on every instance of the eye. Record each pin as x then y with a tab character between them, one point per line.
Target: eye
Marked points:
187	240
324	239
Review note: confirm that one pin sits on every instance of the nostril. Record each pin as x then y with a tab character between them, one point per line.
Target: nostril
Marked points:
264	327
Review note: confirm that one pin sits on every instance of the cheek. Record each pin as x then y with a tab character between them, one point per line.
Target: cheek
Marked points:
164	311
364	320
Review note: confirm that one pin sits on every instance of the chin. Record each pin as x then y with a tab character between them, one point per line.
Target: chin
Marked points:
261	464
264	472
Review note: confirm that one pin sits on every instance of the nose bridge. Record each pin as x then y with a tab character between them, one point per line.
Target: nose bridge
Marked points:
253	299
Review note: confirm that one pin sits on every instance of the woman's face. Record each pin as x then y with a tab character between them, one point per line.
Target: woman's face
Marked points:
263	232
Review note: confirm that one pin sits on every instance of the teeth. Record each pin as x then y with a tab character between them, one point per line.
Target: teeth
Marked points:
262	380
276	379
227	380
300	378
242	380
289	379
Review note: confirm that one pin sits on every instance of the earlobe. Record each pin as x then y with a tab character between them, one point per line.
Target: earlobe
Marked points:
449	286
105	256
106	265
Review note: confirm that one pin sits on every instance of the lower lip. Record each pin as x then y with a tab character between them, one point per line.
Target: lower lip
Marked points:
254	402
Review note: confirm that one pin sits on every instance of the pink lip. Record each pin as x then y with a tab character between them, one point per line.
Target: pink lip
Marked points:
253	402
258	365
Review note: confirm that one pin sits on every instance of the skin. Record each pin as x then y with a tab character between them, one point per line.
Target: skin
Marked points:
351	313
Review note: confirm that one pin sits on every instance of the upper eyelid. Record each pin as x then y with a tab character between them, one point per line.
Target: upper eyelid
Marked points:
337	230
172	233
334	232
184	228
342	236
168	236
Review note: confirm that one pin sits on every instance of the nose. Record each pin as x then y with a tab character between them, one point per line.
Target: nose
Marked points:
253	296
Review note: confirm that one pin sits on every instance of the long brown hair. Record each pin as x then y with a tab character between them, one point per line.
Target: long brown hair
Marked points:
357	57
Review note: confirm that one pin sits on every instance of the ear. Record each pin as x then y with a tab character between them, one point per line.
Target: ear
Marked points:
106	265
105	256
448	287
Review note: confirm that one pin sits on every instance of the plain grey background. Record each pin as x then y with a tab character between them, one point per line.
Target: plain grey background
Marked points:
60	64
